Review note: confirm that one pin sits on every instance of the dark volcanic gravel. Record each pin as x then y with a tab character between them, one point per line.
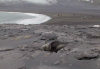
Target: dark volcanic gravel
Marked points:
21	47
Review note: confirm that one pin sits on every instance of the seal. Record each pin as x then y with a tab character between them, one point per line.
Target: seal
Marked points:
53	46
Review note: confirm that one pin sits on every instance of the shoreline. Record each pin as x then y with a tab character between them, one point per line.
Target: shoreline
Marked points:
70	18
37	18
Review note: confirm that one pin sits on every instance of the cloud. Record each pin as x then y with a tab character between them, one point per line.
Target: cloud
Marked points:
40	2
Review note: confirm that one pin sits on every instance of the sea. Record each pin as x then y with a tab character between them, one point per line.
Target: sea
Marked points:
22	18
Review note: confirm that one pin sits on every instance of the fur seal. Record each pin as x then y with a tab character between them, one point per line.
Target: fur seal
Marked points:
53	46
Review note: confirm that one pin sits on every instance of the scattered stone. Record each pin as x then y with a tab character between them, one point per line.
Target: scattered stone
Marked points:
17	38
57	62
54	46
23	48
25	29
65	39
94	36
35	54
40	31
27	36
3	37
22	67
22	37
97	50
87	55
48	36
6	49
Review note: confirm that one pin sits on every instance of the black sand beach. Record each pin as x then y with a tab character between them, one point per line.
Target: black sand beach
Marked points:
70	40
20	47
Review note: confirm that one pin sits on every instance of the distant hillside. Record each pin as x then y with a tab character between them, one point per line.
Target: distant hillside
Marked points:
51	6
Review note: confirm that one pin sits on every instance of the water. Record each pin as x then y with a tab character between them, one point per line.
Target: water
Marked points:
22	18
42	2
94	2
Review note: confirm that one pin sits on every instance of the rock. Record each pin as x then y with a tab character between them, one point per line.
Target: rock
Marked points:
57	62
23	48
48	36
27	36
22	37
62	39
40	31
54	46
93	36
22	67
65	39
3	37
96	49
87	55
6	49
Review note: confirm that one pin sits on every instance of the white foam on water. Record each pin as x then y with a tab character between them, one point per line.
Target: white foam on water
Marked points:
44	2
37	18
96	26
90	1
39	2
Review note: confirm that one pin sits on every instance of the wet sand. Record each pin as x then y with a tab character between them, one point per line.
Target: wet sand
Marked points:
73	19
20	47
